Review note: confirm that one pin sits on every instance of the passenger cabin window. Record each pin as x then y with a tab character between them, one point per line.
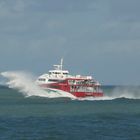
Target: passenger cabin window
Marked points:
53	80
41	79
65	73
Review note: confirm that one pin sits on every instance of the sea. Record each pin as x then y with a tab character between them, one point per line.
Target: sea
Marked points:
30	113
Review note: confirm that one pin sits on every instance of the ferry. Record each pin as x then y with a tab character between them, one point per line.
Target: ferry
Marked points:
77	85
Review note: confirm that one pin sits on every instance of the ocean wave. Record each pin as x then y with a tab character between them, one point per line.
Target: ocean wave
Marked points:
25	83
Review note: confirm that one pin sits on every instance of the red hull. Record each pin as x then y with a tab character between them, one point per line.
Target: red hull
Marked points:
65	86
86	94
79	86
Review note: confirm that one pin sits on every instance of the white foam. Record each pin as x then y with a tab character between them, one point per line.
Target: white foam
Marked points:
25	84
118	92
132	92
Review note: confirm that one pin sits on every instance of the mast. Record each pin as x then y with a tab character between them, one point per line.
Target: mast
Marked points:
59	67
61	64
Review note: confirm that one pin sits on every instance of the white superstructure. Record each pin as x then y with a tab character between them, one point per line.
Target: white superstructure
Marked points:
58	74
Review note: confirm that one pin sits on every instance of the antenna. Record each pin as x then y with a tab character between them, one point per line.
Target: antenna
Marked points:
59	67
61	64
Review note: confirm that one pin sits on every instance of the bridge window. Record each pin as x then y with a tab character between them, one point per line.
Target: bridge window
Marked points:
41	79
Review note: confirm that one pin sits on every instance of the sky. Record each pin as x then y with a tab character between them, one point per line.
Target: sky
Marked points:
95	37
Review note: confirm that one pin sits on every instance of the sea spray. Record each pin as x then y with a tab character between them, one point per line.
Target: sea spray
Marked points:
128	92
25	83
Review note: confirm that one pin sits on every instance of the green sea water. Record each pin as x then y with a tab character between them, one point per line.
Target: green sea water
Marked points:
114	117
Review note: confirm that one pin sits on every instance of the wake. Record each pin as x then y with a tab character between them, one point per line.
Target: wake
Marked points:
25	83
132	92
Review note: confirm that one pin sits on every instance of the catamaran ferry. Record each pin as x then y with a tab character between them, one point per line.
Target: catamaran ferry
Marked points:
79	86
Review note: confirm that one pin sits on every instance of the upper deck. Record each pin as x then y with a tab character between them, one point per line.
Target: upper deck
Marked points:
58	74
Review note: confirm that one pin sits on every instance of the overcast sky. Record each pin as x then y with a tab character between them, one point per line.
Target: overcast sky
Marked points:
95	37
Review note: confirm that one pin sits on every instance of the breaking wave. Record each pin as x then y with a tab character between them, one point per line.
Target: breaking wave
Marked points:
127	92
25	83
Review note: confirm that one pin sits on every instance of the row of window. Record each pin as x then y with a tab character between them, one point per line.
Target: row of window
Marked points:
41	79
82	89
57	73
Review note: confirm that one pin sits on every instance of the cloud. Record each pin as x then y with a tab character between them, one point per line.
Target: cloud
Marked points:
54	24
61	6
125	10
19	6
10	8
90	31
122	48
